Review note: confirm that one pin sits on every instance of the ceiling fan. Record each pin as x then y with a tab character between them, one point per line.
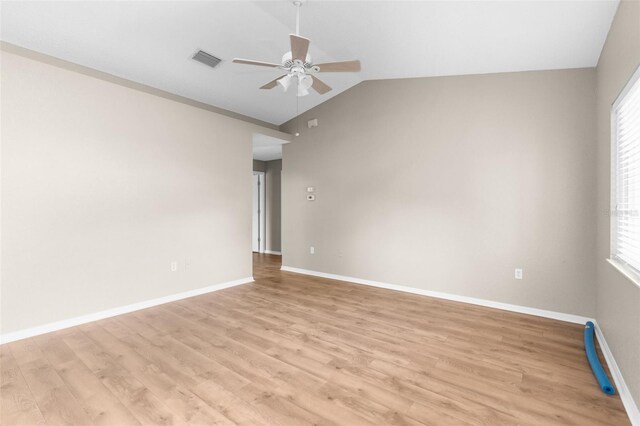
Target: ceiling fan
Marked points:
299	66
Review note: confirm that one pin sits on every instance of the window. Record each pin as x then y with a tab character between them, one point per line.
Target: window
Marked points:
625	128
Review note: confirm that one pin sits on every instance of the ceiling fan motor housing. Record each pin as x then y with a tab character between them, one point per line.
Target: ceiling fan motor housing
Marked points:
288	62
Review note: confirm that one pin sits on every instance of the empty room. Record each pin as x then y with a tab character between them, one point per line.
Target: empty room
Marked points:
320	212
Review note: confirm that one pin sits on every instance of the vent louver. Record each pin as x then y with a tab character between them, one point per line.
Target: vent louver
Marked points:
207	59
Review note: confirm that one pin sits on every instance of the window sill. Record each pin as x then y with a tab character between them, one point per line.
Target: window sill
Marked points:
628	274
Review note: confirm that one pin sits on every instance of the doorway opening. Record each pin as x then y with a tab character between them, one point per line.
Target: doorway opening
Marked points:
266	204
259	228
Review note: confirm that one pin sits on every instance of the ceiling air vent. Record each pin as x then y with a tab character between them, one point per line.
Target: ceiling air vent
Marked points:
205	58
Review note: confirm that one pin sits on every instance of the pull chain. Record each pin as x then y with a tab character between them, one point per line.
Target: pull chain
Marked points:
297	116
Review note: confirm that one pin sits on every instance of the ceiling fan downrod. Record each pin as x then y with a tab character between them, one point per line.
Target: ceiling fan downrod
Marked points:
298	5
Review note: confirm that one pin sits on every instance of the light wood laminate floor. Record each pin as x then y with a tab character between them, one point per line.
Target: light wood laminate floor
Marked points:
292	349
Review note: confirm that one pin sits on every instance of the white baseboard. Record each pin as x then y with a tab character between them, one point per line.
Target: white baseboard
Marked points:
621	386
279	253
472	300
71	322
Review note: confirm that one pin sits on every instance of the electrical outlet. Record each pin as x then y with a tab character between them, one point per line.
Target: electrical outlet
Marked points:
518	274
174	266
312	250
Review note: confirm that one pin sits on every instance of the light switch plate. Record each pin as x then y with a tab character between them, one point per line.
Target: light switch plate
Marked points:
311	197
310	189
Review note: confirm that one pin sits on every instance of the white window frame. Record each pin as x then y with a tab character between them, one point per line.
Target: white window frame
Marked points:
627	270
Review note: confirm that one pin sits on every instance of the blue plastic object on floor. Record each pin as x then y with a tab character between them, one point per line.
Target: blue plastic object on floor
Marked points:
594	362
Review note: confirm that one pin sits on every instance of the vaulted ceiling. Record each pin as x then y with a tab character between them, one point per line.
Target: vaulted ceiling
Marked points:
152	42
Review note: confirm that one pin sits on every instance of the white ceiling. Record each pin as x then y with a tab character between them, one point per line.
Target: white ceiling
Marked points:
152	42
267	148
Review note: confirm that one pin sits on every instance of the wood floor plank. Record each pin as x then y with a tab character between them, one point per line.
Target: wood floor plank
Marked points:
182	402
291	349
19	406
278	410
98	402
287	379
56	403
142	403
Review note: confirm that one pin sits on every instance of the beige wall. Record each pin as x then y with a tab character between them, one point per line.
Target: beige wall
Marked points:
618	311
103	186
449	184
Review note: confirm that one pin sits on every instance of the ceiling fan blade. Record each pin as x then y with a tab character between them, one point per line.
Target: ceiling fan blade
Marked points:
319	86
258	63
346	66
299	47
273	83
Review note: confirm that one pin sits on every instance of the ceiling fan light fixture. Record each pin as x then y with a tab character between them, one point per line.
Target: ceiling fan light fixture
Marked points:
285	82
302	91
304	84
305	81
